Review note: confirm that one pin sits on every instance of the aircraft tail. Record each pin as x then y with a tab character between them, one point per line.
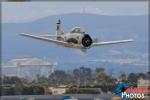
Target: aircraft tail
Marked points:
58	28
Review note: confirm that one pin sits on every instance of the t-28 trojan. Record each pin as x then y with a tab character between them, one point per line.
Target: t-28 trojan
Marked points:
77	38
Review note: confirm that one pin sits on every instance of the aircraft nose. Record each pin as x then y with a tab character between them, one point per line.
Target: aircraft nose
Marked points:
87	40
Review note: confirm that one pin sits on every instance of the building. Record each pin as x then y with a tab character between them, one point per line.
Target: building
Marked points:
28	67
143	83
58	90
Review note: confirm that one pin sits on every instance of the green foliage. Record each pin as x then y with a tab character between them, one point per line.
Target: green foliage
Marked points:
83	78
97	70
18	0
142	75
58	77
132	77
1	86
148	75
106	88
20	89
8	91
11	80
102	78
45	86
42	79
33	90
82	90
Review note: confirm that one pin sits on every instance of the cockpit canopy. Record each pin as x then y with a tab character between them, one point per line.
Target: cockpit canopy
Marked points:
78	30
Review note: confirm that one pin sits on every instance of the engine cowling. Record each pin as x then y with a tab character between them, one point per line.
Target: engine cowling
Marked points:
86	40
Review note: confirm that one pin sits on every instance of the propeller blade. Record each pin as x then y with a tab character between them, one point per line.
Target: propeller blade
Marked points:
82	52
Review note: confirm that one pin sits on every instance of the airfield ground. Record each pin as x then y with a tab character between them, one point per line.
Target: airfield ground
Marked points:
59	97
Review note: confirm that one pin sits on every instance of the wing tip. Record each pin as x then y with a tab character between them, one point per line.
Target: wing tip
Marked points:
131	40
23	34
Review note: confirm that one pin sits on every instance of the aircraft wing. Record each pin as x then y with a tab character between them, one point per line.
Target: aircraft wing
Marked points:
49	35
45	39
111	42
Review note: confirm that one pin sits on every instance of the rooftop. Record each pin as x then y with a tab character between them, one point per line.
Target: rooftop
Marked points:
28	61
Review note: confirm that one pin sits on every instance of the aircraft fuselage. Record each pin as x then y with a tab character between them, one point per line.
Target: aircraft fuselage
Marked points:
81	39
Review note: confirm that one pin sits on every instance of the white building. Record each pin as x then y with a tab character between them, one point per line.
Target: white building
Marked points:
28	67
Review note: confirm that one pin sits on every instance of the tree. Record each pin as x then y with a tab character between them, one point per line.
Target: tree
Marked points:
82	75
8	91
142	75
82	90
42	79
97	70
18	88
101	75
33	90
11	80
18	0
123	77
148	75
132	78
58	77
1	86
37	90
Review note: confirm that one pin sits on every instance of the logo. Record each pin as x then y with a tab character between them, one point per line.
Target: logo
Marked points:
124	90
121	88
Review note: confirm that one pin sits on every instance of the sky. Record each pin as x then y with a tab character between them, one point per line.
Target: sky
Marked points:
20	12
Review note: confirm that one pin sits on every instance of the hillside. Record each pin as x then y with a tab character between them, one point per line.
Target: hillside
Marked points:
100	26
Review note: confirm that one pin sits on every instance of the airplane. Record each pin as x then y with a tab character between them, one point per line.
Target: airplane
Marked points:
77	38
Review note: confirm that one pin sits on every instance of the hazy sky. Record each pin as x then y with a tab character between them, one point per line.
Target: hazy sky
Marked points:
29	11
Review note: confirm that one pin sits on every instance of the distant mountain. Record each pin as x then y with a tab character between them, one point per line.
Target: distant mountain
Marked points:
100	26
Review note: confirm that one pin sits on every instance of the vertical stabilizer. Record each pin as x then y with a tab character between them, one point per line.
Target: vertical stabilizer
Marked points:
58	28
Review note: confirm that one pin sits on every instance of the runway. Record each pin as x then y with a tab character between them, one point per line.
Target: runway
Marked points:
60	97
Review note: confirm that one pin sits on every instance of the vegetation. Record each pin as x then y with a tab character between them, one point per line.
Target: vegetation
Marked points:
20	89
81	80
82	90
18	0
20	86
